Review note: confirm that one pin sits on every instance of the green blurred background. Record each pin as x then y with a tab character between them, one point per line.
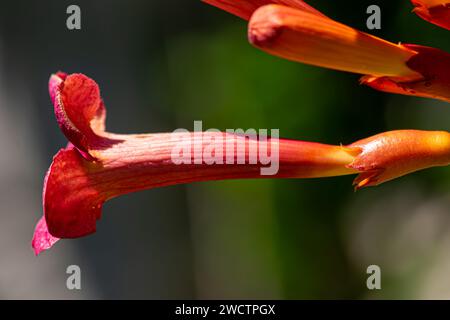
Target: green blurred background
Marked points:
163	64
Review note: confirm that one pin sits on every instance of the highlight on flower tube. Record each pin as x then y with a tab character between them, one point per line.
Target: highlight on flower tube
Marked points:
245	8
434	11
301	36
97	165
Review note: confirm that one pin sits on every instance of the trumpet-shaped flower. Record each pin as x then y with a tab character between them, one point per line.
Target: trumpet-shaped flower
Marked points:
98	165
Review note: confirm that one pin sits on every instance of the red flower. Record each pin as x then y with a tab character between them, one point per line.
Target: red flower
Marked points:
97	165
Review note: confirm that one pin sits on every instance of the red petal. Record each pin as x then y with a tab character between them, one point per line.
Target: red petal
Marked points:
72	204
245	8
79	109
436	13
42	239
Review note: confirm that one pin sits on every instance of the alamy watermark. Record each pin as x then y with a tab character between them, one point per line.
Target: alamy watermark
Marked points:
73	21
234	146
374	280
374	20
73	281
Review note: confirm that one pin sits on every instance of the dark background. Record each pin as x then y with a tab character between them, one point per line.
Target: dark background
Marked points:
163	64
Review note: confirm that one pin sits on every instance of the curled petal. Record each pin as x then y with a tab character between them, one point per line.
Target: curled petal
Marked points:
54	84
79	109
245	8
390	155
434	11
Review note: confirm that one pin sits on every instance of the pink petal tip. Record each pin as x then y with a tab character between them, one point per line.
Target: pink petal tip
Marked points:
42	239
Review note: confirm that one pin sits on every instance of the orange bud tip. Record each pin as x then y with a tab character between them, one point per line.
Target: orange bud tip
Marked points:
393	154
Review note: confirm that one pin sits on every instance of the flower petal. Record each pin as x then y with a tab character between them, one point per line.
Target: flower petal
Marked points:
434	11
72	202
79	109
245	8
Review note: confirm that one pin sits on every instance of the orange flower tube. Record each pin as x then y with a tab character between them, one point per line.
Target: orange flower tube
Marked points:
304	37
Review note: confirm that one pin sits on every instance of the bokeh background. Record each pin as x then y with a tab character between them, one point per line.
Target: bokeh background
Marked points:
161	65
